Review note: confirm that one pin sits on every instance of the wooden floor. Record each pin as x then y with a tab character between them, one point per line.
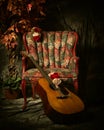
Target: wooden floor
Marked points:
33	118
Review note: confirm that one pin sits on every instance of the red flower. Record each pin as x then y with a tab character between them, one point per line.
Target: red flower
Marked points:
36	38
29	6
37	34
36	29
54	75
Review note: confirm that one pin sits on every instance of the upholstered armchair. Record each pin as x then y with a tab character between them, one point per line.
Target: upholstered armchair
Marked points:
54	51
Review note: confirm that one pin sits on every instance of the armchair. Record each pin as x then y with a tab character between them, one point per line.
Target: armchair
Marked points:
54	51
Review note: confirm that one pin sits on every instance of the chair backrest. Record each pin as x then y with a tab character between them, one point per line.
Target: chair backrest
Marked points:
54	49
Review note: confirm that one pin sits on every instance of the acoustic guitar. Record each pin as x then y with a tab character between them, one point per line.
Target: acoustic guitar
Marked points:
63	103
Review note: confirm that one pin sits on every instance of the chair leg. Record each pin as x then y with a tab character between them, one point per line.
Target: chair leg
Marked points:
23	86
33	84
76	86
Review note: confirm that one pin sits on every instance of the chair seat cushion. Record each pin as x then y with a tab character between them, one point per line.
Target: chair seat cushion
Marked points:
34	73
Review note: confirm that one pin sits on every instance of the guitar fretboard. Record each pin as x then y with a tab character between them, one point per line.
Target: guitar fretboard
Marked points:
42	72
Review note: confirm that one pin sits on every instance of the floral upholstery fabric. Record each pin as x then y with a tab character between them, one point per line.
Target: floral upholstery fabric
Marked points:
54	53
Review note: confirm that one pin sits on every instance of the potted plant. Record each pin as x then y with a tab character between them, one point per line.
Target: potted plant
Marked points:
11	87
11	78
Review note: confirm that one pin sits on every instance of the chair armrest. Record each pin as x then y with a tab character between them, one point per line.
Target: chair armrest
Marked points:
74	59
74	63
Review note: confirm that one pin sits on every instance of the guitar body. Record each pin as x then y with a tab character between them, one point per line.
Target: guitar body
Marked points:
71	104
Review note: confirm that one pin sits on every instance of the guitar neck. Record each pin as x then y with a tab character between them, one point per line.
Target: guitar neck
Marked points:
42	72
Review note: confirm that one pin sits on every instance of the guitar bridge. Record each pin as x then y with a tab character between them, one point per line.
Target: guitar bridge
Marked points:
63	97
